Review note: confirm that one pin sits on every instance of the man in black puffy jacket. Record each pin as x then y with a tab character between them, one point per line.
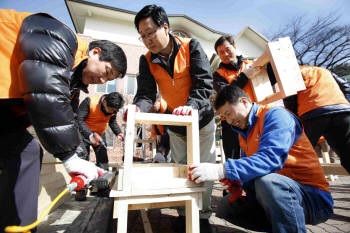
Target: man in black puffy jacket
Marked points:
44	67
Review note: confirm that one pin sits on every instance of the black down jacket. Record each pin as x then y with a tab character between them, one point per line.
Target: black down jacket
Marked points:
48	48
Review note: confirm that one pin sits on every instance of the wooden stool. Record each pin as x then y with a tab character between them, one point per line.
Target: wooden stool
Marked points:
285	67
143	186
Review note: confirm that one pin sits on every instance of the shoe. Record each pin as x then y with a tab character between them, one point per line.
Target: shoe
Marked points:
80	195
179	226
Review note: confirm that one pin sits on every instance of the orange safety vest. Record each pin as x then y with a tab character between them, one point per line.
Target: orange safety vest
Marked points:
231	75
321	90
10	26
174	91
302	164
163	107
97	121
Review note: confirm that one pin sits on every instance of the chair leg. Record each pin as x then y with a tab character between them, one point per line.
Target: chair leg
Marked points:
192	216
122	212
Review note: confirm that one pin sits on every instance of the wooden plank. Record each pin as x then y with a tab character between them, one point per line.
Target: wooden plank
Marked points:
193	140
119	194
146	224
334	169
192	216
128	149
156	205
122	216
162	119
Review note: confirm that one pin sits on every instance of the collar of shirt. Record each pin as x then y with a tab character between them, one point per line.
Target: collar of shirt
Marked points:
231	66
76	78
158	58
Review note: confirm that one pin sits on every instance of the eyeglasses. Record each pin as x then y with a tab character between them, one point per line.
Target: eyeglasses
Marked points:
149	35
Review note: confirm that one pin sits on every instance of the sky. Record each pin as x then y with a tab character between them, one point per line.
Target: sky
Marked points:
228	16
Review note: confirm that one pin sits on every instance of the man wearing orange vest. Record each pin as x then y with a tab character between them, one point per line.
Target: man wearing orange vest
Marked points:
231	70
181	70
324	110
95	113
37	55
283	180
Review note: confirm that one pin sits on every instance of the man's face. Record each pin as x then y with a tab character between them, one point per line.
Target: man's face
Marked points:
107	108
153	37
236	114
227	52
96	71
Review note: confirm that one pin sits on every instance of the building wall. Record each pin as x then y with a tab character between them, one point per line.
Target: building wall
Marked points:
248	48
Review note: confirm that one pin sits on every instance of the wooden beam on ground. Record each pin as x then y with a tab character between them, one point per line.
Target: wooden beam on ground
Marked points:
334	169
146	224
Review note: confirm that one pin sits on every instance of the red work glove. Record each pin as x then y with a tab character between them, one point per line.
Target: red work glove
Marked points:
235	188
182	111
95	139
125	114
120	137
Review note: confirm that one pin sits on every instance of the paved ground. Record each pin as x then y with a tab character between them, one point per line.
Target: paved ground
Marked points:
162	219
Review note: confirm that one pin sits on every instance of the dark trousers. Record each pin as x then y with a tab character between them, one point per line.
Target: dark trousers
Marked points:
336	130
20	161
230	141
100	152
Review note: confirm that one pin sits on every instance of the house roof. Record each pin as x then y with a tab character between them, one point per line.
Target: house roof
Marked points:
79	10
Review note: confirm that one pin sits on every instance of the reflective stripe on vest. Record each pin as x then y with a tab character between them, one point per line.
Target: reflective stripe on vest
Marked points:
321	90
174	92
231	75
302	164
97	121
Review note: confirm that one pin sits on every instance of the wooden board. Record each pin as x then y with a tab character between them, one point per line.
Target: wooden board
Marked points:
285	66
334	169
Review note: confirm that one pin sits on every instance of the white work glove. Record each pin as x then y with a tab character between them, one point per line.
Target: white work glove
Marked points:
183	111
77	166
206	172
251	71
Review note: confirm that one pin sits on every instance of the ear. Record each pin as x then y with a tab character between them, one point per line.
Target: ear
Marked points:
95	51
166	28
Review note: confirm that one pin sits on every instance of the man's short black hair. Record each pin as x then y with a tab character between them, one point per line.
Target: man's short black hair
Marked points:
222	39
157	13
231	94
114	100
112	53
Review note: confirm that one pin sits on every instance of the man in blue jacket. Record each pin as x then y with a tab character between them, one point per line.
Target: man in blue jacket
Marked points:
281	175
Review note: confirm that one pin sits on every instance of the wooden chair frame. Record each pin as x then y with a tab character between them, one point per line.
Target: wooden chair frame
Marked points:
142	186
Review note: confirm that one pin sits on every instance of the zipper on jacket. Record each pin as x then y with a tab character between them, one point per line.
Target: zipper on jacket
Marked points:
173	82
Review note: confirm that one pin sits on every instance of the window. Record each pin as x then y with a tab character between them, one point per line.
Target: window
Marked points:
130	85
107	87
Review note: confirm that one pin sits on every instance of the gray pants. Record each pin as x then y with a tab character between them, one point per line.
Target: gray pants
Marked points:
178	150
19	178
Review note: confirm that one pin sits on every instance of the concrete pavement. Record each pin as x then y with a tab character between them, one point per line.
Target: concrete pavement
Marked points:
162	219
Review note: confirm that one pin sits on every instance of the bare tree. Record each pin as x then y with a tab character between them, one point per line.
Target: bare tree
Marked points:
321	42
